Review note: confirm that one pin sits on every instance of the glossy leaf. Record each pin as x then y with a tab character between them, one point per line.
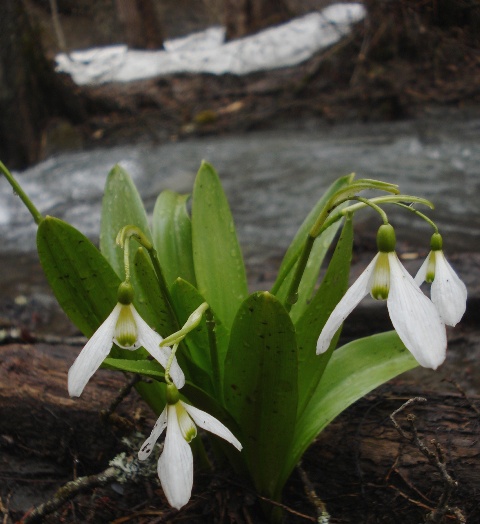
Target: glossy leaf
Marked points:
261	386
121	206
172	236
316	313
219	267
319	251
82	280
147	368
154	307
353	371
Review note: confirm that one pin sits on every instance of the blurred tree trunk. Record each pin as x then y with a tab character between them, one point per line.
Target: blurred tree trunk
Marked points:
30	91
243	17
141	25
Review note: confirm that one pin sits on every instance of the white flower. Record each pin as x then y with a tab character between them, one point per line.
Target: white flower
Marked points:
413	315
126	328
448	292
175	465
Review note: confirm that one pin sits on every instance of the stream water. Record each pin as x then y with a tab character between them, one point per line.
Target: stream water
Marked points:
272	179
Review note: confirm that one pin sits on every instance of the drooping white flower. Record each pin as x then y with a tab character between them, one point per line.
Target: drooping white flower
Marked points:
448	292
175	465
413	315
126	328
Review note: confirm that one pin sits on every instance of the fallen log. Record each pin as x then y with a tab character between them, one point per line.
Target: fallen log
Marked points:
360	466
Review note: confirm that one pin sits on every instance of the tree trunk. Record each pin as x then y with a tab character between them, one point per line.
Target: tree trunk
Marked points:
141	25
243	17
30	91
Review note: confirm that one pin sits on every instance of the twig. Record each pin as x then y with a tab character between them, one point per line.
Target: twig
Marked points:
436	458
122	394
323	517
122	469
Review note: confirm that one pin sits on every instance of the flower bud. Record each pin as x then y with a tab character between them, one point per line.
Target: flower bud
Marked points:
386	238
125	293
436	242
173	396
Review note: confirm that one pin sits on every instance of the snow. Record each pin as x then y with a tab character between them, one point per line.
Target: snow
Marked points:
206	52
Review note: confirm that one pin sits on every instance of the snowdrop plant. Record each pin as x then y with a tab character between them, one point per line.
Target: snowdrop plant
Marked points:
167	299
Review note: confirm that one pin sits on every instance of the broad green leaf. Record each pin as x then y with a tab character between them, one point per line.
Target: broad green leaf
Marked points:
219	267
153	393
202	400
82	280
186	299
121	206
261	386
285	273
353	371
309	326
172	236
152	304
147	368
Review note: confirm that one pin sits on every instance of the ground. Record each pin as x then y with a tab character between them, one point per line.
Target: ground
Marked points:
407	60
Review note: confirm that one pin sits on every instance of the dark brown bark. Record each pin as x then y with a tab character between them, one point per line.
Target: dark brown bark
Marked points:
243	17
142	28
359	466
30	91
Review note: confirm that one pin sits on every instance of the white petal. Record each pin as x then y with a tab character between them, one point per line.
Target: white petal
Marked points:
92	355
150	340
415	318
422	272
175	466
157	430
206	421
448	292
347	304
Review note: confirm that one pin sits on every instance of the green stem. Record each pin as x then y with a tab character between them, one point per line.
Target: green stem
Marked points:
168	380
23	197
292	295
374	206
163	284
212	341
420	214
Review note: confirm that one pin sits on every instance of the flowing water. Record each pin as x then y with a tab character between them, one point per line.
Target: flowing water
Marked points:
272	179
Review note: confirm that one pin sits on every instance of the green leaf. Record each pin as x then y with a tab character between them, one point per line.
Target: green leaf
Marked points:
147	368
261	386
121	206
172	236
186	299
286	271
353	371
219	267
82	280
152	305
310	324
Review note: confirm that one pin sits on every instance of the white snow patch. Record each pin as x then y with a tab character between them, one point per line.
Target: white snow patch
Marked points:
206	52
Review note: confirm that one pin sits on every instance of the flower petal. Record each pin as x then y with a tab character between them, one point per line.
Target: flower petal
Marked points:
422	272
347	304
92	355
157	430
175	466
448	292
206	421
150	340
415	318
